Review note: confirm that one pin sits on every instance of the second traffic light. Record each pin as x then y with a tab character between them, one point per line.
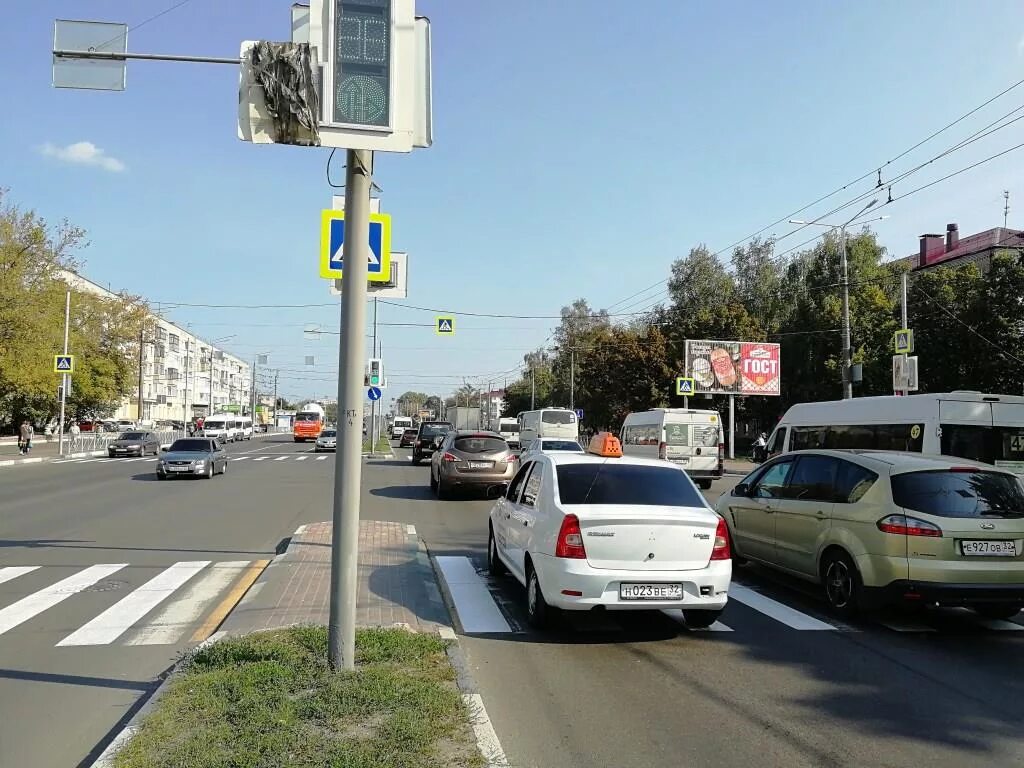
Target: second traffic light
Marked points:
375	371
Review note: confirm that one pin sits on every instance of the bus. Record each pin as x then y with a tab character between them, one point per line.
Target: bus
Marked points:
308	422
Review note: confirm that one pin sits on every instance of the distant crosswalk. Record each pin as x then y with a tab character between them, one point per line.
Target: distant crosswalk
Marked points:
164	610
485	605
233	459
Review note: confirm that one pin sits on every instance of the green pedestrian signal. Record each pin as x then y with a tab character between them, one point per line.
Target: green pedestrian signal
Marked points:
376	370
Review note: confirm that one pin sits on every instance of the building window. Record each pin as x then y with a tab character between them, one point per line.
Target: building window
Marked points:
172	342
161	334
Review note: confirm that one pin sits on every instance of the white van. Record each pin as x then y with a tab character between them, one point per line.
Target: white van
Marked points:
220	426
399	425
243	427
969	425
688	437
508	428
547	422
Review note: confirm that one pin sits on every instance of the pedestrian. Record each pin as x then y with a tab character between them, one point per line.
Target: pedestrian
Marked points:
25	437
75	432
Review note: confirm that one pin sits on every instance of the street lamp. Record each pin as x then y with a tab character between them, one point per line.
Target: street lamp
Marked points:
845	282
212	343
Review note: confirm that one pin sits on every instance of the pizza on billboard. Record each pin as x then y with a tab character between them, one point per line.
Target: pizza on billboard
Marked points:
733	367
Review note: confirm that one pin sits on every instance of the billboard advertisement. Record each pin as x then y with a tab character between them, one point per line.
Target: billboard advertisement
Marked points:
734	367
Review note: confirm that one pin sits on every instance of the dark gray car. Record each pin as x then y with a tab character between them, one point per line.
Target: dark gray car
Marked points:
134	444
192	457
471	458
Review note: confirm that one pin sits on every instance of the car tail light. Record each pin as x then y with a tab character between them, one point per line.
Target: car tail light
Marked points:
908	526
721	550
570	539
662	451
449	457
964	469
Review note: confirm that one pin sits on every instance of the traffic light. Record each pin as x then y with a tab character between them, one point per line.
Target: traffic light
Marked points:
376	369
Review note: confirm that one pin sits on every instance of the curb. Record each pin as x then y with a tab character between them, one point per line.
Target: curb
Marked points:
42	459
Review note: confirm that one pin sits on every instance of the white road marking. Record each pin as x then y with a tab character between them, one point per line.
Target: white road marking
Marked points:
999	625
282	458
301	529
14	571
261	458
120	617
486	739
183	612
34	604
239	458
677	615
776	610
906	626
301	458
322	458
411	530
473	602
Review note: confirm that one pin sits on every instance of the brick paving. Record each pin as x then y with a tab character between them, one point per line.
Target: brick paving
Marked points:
396	583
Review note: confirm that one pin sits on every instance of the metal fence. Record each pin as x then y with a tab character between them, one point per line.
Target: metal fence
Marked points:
88	442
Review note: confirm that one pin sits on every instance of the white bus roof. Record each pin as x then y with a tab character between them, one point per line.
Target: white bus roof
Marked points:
887	408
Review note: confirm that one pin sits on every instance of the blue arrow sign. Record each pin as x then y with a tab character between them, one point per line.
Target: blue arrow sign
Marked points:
579	414
373	393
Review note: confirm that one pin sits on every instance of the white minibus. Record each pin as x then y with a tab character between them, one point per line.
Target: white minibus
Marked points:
508	428
243	427
399	425
688	437
969	425
547	422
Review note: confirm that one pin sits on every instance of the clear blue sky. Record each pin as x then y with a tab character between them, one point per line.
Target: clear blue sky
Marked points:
579	148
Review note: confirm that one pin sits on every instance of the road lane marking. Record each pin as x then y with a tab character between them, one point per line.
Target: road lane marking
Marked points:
14	571
120	617
175	620
282	458
486	739
899	625
776	610
34	604
239	458
261	458
476	609
322	458
999	625
225	606
301	458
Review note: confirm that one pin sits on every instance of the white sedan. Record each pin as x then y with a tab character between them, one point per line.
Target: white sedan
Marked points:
550	445
590	530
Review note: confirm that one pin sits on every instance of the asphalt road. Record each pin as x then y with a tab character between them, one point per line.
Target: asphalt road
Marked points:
60	703
794	688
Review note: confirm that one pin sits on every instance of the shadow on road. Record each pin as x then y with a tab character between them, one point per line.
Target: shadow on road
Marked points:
410	492
97	682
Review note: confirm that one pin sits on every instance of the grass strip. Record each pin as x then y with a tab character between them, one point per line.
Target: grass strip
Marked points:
383	446
270	699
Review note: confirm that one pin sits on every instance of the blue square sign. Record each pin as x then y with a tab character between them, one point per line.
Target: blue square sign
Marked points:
332	246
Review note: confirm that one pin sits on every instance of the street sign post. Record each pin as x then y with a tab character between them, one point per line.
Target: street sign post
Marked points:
332	242
63	363
444	325
903	341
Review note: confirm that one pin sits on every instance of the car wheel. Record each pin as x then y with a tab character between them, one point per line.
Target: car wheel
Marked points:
415	460
494	562
209	471
538	613
842	584
160	476
433	480
224	469
700	619
442	490
704	485
997	611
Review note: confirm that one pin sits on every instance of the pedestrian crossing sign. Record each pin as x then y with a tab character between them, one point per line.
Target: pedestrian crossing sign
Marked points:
445	325
332	246
63	363
904	341
684	386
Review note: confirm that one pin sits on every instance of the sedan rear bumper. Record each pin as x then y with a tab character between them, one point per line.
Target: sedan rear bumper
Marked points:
706	588
918	592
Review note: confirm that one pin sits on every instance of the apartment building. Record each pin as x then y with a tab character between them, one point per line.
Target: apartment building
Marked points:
183	375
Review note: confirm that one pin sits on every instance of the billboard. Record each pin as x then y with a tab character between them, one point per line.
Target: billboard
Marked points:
733	367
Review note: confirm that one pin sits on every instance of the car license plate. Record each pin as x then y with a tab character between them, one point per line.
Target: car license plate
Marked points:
481	464
650	591
178	469
989	548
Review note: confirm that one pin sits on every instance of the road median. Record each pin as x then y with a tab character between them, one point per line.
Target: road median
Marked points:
270	699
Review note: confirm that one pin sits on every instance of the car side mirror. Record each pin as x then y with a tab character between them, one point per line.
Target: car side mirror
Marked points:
741	489
164	448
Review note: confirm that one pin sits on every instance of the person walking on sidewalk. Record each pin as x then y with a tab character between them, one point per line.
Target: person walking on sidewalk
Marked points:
75	431
25	435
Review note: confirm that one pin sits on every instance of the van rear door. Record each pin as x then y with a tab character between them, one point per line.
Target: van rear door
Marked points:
692	443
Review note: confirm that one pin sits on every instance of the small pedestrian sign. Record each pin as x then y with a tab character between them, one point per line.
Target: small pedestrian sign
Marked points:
445	325
904	340
579	414
373	393
684	386
63	363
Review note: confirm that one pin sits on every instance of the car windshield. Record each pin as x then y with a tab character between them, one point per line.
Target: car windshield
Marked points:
613	483
433	430
508	428
213	424
561	445
328	433
307	416
191	445
132	436
959	493
479	444
558	417
409	432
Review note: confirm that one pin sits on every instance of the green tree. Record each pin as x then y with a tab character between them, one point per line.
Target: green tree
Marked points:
409	403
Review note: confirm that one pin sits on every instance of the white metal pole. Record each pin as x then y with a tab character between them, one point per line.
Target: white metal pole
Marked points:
64	377
903	286
845	360
348	457
732	426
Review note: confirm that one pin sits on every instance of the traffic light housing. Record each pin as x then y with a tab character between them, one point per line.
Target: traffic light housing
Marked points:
375	370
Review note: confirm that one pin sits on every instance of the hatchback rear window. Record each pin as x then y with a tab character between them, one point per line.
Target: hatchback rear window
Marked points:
611	483
433	430
960	494
479	445
558	417
133	436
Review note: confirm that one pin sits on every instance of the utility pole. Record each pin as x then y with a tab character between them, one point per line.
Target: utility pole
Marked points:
64	376
846	353
209	411
373	403
533	389
572	378
1006	213
341	637
184	401
142	349
276	374
903	309
252	394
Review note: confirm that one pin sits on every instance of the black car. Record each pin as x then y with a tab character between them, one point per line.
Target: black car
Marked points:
408	439
134	444
428	438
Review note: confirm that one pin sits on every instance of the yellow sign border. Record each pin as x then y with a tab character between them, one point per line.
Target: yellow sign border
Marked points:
58	370
328	215
437	325
910	339
693	386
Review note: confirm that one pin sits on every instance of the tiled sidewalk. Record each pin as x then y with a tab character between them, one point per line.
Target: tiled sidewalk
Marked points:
396	583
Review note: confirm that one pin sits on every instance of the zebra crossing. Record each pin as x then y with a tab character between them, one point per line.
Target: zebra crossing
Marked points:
233	459
485	605
165	610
